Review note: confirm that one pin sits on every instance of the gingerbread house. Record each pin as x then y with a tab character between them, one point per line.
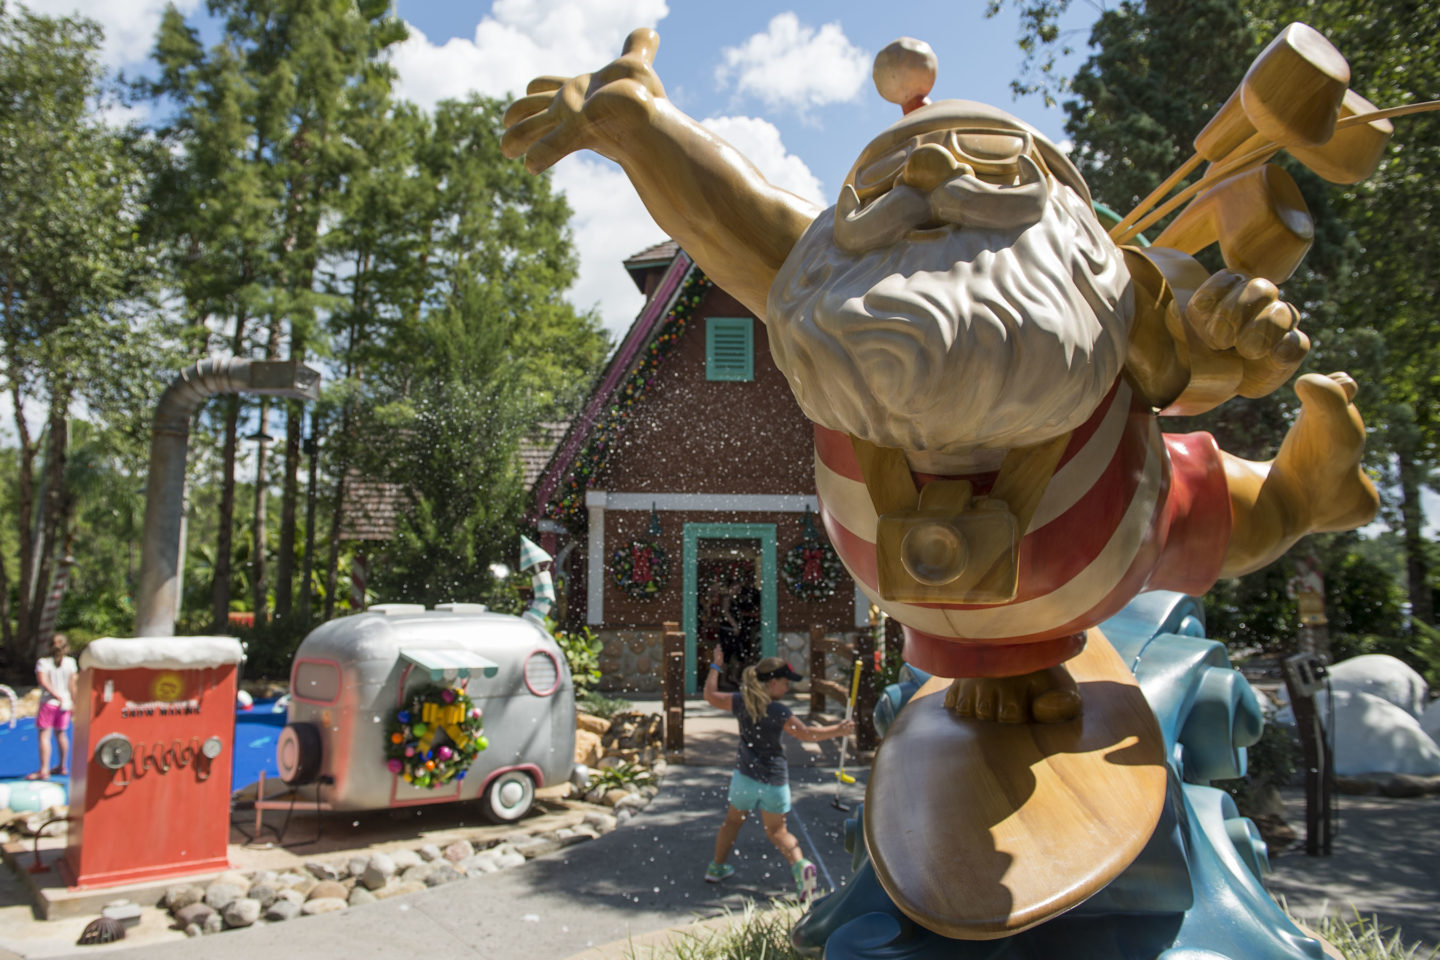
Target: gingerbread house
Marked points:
685	487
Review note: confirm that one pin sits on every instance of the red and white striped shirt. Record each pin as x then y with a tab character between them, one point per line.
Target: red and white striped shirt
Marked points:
1128	509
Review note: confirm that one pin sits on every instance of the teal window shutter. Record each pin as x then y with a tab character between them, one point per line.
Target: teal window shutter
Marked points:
730	348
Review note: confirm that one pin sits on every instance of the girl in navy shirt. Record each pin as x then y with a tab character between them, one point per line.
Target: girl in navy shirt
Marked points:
762	777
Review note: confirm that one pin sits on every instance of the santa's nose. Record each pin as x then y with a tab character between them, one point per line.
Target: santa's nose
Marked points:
928	166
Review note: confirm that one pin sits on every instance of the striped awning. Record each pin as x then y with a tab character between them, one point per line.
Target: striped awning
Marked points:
454	662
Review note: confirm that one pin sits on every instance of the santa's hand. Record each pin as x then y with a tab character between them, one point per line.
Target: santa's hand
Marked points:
597	111
1232	312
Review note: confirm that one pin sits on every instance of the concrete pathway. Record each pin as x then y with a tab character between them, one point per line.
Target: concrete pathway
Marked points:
1385	861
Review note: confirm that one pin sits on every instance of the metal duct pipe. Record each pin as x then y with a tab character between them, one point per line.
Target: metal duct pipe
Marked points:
158	597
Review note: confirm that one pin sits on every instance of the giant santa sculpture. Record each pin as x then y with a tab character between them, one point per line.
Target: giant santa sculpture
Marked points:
984	366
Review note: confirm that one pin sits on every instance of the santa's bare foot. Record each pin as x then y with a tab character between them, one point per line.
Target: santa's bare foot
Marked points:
1320	457
1045	696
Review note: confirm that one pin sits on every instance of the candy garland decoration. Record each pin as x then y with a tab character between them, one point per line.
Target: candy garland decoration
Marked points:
812	570
641	568
435	738
569	507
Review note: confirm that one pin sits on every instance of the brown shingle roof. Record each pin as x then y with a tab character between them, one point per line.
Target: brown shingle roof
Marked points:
370	508
536	449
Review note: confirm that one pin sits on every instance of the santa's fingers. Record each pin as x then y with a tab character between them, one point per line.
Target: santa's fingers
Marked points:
1265	375
527	107
546	84
519	137
1205	313
1265	331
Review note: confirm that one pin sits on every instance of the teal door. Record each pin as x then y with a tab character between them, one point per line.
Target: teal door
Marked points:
715	550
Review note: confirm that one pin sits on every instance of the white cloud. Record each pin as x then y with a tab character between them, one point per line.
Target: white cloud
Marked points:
759	140
130	26
610	224
796	66
520	40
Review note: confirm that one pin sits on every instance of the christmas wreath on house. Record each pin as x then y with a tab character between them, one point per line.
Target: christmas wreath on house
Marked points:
641	568
812	570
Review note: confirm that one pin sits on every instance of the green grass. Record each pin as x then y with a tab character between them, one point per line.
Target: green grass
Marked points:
760	933
763	933
1364	939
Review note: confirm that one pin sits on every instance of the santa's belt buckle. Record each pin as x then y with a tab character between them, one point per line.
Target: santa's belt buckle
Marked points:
939	555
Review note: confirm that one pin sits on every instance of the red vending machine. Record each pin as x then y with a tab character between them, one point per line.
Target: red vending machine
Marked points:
150	787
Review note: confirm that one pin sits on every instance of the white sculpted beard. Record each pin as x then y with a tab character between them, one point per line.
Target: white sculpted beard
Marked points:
956	341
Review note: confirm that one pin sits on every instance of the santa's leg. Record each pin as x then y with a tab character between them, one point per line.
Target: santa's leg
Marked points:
1314	484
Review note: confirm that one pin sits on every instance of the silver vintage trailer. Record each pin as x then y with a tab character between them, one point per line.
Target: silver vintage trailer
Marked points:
351	675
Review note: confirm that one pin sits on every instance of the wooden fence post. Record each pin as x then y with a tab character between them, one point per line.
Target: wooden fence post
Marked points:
673	687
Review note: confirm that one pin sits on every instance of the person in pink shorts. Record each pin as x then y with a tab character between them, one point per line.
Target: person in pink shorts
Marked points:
56	675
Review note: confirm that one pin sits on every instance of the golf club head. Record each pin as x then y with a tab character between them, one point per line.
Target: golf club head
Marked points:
1259	219
1291	94
844	778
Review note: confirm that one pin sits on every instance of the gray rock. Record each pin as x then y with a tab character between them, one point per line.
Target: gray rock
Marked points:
538	847
602	822
418	872
290	895
430	852
443	873
183	895
194	930
242	912
459	850
213	923
290	879
398	889
220	895
322	871
624	814
125	912
360	896
263	892
478	865
508	857
193	913
378	870
264	876
1406	785
327	890
281	910
322	905
356	866
405	859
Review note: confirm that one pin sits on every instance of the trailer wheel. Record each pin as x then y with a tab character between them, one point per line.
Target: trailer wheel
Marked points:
509	796
298	753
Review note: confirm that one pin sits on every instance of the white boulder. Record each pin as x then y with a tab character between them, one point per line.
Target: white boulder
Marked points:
1385	677
1373	735
1430	720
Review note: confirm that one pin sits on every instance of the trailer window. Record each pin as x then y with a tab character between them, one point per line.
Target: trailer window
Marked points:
317	681
542	673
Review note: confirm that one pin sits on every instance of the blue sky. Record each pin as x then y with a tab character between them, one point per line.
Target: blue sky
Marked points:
788	85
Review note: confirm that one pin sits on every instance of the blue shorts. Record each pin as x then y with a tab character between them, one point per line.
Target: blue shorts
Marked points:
746	793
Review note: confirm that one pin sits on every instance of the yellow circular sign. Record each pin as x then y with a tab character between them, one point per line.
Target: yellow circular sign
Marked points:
168	686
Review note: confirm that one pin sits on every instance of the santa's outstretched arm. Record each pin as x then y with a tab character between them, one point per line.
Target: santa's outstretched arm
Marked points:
703	192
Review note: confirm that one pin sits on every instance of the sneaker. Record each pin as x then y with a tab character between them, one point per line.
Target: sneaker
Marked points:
717	872
807	880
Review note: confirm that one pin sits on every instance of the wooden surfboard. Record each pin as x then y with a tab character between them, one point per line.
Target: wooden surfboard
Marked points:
979	830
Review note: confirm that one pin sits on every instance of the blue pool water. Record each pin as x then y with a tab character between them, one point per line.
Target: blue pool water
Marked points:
255	732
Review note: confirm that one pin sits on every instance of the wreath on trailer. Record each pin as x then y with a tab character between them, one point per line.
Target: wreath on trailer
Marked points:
812	569
432	740
640	568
